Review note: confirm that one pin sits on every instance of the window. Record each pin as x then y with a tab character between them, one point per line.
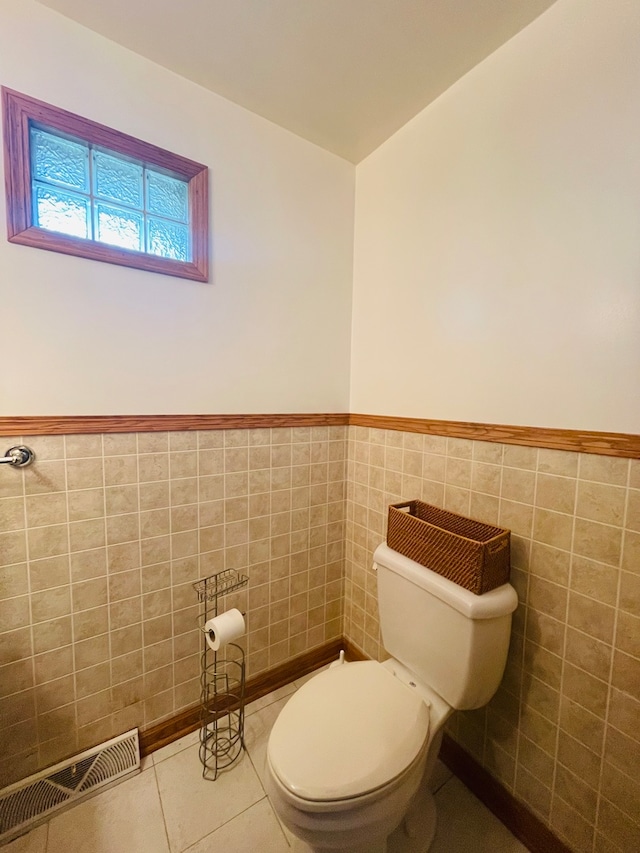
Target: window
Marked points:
84	189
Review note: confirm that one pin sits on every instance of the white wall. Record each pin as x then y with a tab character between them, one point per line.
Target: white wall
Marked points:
269	333
497	246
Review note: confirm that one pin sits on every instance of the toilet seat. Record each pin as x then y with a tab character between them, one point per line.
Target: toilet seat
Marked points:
348	731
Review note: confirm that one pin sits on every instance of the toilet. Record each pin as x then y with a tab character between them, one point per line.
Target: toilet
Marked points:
350	756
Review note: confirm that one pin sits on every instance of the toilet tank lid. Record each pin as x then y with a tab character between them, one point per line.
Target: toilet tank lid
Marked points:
498	602
348	731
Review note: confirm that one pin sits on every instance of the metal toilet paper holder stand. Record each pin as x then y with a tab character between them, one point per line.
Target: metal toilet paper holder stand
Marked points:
222	681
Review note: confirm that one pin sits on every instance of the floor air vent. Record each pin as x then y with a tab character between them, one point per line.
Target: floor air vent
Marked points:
33	800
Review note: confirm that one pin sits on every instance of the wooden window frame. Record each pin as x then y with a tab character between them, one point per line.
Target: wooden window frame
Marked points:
20	111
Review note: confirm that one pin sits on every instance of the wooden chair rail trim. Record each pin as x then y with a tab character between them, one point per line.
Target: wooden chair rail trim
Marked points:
581	441
625	445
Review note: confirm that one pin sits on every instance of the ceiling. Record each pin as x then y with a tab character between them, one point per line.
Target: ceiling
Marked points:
344	74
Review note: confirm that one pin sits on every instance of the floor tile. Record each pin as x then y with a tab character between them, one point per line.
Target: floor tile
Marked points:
255	829
441	774
175	747
465	824
34	842
126	817
194	807
269	699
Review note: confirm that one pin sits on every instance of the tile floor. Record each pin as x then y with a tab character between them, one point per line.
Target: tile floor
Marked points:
169	808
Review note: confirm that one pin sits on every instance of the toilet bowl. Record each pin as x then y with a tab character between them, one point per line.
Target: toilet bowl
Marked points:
350	756
348	753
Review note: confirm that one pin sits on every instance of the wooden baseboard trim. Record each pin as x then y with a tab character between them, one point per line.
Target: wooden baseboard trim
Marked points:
521	822
189	720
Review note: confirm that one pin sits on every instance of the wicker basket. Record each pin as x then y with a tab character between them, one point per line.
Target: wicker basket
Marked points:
467	552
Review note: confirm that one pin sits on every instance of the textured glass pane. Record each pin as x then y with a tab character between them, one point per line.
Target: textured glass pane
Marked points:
57	210
168	239
167	196
119	227
59	160
117	179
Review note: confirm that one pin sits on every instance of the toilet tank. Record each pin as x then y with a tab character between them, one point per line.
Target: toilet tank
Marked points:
454	641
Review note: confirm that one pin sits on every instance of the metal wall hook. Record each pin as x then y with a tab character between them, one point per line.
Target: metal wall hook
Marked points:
19	456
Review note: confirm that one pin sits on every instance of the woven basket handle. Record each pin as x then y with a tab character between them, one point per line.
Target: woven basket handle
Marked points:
406	505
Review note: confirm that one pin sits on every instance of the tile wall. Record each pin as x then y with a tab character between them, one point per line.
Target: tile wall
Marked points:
563	731
101	540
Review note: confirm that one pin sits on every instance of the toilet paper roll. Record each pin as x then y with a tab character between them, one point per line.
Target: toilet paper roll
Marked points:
225	628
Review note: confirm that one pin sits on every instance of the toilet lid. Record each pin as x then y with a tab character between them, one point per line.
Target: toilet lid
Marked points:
346	732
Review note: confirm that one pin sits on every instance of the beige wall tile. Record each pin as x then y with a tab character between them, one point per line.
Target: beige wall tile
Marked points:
550	563
597	541
46	541
14	580
518	485
543	664
77	446
600	502
624	713
516	517
45	477
93	680
119	444
629	591
46	509
631	554
571	825
622	790
86	535
582	724
520	457
85	504
88	564
153	522
588	653
627	637
90	623
556	493
84	473
596	580
153	442
563	463
123	528
604	469
579	760
618	827
50	604
91	652
536	727
12	515
121	499
546	631
52	635
591	617
119	470
625	675
14	612
13	548
585	689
